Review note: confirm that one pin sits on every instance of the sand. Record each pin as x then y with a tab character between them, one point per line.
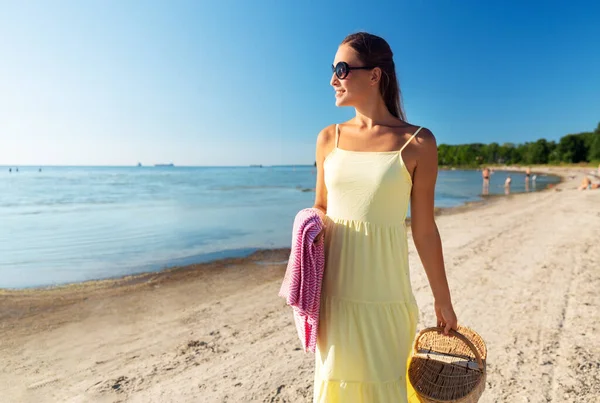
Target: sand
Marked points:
524	272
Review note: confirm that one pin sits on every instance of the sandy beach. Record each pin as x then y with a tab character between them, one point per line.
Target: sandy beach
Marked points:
524	271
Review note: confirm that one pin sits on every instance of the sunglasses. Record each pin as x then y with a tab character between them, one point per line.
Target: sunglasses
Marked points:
342	69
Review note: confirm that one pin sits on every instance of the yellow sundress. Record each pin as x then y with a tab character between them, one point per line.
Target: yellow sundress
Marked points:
368	313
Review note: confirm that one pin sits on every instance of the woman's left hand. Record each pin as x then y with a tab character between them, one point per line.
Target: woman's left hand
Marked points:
446	317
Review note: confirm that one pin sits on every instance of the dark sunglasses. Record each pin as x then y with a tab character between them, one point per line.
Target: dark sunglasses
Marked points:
342	69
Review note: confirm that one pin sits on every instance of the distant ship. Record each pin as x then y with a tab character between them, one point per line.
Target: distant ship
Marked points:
256	165
164	165
139	164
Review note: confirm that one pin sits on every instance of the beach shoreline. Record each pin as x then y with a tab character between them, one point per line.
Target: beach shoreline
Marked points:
218	332
248	257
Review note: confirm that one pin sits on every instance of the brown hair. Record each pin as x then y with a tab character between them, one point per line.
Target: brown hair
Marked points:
375	51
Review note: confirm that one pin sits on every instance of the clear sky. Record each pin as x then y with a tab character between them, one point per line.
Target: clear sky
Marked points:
247	82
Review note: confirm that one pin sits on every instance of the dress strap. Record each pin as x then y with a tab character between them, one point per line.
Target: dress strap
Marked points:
337	134
410	139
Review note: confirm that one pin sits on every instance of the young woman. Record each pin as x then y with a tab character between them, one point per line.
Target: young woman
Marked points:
368	169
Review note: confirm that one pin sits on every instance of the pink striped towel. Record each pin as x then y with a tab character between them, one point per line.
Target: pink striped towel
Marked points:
301	285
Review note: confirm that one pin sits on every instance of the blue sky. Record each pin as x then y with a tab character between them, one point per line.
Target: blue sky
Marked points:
247	82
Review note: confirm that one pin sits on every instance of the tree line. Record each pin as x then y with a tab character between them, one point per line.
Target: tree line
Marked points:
571	148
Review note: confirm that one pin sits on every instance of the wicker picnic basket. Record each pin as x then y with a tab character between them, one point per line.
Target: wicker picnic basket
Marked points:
448	369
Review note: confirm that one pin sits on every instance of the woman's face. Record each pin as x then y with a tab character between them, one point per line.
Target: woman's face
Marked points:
358	85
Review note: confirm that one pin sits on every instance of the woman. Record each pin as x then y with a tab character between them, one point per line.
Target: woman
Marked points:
367	169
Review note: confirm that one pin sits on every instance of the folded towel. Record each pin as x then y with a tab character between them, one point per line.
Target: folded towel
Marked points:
301	285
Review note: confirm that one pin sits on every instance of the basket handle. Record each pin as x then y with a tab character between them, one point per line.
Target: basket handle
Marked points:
458	335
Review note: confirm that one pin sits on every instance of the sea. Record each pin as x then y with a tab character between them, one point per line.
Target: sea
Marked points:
61	225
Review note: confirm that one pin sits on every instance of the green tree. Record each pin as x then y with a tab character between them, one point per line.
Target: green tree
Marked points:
525	153
594	149
539	152
554	154
507	153
572	148
492	153
444	154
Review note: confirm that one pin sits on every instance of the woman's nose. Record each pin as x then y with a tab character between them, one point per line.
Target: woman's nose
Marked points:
334	80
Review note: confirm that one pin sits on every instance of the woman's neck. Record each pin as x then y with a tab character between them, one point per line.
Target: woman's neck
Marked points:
374	114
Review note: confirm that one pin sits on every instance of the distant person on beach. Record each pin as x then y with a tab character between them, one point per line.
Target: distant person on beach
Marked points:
485	173
586	183
507	185
370	315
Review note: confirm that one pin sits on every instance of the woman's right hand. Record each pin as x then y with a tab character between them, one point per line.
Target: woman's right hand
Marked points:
323	220
319	236
446	317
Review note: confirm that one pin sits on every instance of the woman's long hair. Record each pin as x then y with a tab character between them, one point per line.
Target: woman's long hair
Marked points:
375	51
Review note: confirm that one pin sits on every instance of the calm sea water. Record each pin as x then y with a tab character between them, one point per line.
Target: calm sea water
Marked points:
69	224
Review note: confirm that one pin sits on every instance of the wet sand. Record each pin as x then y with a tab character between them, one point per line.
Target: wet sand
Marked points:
523	269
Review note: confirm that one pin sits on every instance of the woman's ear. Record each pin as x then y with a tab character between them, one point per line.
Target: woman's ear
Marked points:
375	76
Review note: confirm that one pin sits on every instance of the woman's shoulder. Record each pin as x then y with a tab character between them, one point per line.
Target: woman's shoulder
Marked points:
326	136
328	130
421	142
424	136
410	128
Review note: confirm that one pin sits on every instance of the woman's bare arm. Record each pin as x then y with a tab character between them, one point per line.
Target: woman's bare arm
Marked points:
323	148
424	229
325	143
